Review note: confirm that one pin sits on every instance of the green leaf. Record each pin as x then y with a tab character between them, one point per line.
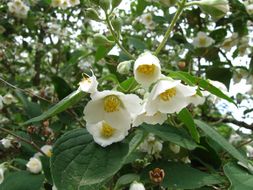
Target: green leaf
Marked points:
61	87
126	179
192	80
239	178
46	168
22	180
137	43
79	163
181	176
222	75
64	104
101	52
214	135
32	109
172	134
186	117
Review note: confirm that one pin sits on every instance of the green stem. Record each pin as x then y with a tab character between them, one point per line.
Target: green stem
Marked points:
173	22
116	38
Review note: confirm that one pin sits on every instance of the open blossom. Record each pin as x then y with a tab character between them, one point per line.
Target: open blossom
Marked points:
169	96
202	40
47	149
9	99
147	20
151	145
89	84
18	8
109	115
136	186
34	165
6	142
157	118
147	69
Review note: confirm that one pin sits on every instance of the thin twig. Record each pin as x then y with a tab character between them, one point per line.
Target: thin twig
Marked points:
23	139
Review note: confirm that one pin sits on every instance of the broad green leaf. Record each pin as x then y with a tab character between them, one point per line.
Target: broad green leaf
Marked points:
79	163
46	168
64	104
181	176
214	135
239	178
192	80
102	52
172	134
186	117
61	87
22	180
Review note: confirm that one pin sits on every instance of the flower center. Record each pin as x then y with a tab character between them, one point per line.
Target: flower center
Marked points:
111	103
168	94
107	131
146	69
49	153
202	41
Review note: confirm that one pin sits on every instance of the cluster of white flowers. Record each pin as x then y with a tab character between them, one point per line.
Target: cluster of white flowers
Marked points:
64	3
18	8
249	6
117	112
202	40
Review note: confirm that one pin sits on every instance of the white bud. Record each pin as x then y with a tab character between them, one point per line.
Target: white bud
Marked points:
89	84
136	186
34	165
174	148
124	67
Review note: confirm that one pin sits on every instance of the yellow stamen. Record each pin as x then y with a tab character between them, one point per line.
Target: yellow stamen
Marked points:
168	94
107	131
146	69
111	103
49	153
202	41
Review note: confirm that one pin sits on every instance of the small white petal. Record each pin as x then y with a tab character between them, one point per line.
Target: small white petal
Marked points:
89	84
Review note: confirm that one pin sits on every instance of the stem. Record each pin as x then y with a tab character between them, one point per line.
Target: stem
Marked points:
191	3
173	22
24	140
116	38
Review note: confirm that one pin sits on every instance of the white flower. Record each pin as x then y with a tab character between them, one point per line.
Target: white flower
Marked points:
202	40
34	165
74	2
197	99
47	149
54	187
174	148
56	3
147	20
169	96
240	74
147	69
151	145
111	104
137	186
9	99
249	9
1	102
2	170
18	8
157	118
230	42
65	4
124	67
6	142
107	132
89	84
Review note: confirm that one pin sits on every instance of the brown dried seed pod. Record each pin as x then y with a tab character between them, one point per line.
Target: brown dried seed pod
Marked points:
156	175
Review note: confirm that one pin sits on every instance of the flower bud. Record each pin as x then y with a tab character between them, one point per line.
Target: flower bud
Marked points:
216	8
136	186
34	165
92	14
2	169
174	148
124	67
115	3
101	40
116	23
104	4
